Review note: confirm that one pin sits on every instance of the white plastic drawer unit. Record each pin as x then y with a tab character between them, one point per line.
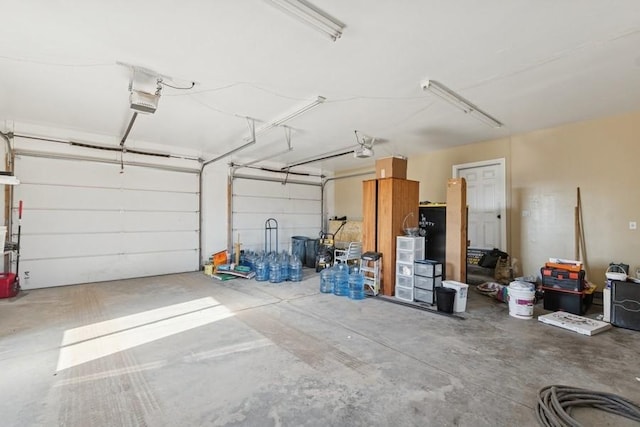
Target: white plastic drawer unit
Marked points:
409	256
428	268
427	283
409	243
405	294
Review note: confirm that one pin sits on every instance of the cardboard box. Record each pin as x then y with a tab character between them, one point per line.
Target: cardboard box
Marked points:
391	167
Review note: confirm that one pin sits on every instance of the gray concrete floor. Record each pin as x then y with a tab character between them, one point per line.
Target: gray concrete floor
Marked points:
289	355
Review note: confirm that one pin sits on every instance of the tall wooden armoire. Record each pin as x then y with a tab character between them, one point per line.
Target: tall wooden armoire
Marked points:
386	202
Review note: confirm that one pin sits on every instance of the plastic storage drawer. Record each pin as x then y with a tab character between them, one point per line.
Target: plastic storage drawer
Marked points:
409	243
403	255
427	283
429	268
405	294
404	281
423	295
404	268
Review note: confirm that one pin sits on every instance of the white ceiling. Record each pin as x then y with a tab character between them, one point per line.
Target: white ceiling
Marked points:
531	64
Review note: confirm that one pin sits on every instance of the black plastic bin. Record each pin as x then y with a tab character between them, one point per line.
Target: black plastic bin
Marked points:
311	250
569	301
298	244
445	298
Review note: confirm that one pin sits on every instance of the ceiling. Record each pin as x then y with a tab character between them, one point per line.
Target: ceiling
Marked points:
531	64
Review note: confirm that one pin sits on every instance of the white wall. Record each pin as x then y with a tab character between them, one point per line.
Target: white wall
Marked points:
214	209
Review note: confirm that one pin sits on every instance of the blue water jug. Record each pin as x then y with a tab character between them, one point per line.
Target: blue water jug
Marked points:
341	280
356	285
295	269
326	280
275	272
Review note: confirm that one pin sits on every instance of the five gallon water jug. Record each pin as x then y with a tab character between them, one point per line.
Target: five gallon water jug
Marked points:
356	285
275	271
341	280
295	269
262	269
327	280
284	268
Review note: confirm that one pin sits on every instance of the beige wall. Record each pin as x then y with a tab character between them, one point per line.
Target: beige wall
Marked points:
348	192
544	168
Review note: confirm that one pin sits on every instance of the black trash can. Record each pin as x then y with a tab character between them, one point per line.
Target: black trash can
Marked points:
311	250
445	298
298	244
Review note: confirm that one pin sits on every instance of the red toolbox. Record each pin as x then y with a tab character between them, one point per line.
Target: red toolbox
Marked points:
8	285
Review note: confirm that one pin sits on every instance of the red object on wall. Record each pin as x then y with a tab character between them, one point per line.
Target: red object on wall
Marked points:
9	286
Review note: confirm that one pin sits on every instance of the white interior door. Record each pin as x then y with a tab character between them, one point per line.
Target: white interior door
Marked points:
486	202
84	221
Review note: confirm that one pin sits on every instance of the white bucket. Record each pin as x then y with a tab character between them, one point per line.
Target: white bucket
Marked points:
521	298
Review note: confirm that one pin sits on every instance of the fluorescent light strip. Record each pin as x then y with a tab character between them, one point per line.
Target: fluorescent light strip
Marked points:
460	103
310	15
268	126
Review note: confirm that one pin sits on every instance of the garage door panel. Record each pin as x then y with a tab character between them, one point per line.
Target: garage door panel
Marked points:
303	192
161	180
76	221
57	272
159	201
268	205
70	221
63	246
39	170
160	241
154	221
248	187
255	222
68	197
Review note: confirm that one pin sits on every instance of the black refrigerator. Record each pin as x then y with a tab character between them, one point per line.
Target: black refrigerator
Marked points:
433	226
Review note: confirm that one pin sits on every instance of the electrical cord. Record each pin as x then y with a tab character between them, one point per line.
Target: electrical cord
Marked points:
555	403
162	82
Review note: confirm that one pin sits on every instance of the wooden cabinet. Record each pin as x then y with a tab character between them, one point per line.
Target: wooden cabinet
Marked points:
386	202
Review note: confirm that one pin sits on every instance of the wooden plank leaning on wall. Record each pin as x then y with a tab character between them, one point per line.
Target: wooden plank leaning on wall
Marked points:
456	246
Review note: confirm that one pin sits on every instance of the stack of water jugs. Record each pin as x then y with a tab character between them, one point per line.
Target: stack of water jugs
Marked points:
277	268
339	281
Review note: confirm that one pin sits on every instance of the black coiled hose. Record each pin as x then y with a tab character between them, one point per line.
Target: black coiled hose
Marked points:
555	403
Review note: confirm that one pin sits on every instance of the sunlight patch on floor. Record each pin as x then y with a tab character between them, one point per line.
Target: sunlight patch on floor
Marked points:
91	342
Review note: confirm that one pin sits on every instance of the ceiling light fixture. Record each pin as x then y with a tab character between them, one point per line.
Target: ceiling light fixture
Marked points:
310	15
460	103
279	122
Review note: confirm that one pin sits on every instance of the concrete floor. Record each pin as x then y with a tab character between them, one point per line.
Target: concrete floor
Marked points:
271	355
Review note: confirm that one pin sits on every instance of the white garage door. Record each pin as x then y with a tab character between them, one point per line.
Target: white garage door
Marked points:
296	207
84	221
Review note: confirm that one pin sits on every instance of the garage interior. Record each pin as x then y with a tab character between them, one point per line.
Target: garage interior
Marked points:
140	140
